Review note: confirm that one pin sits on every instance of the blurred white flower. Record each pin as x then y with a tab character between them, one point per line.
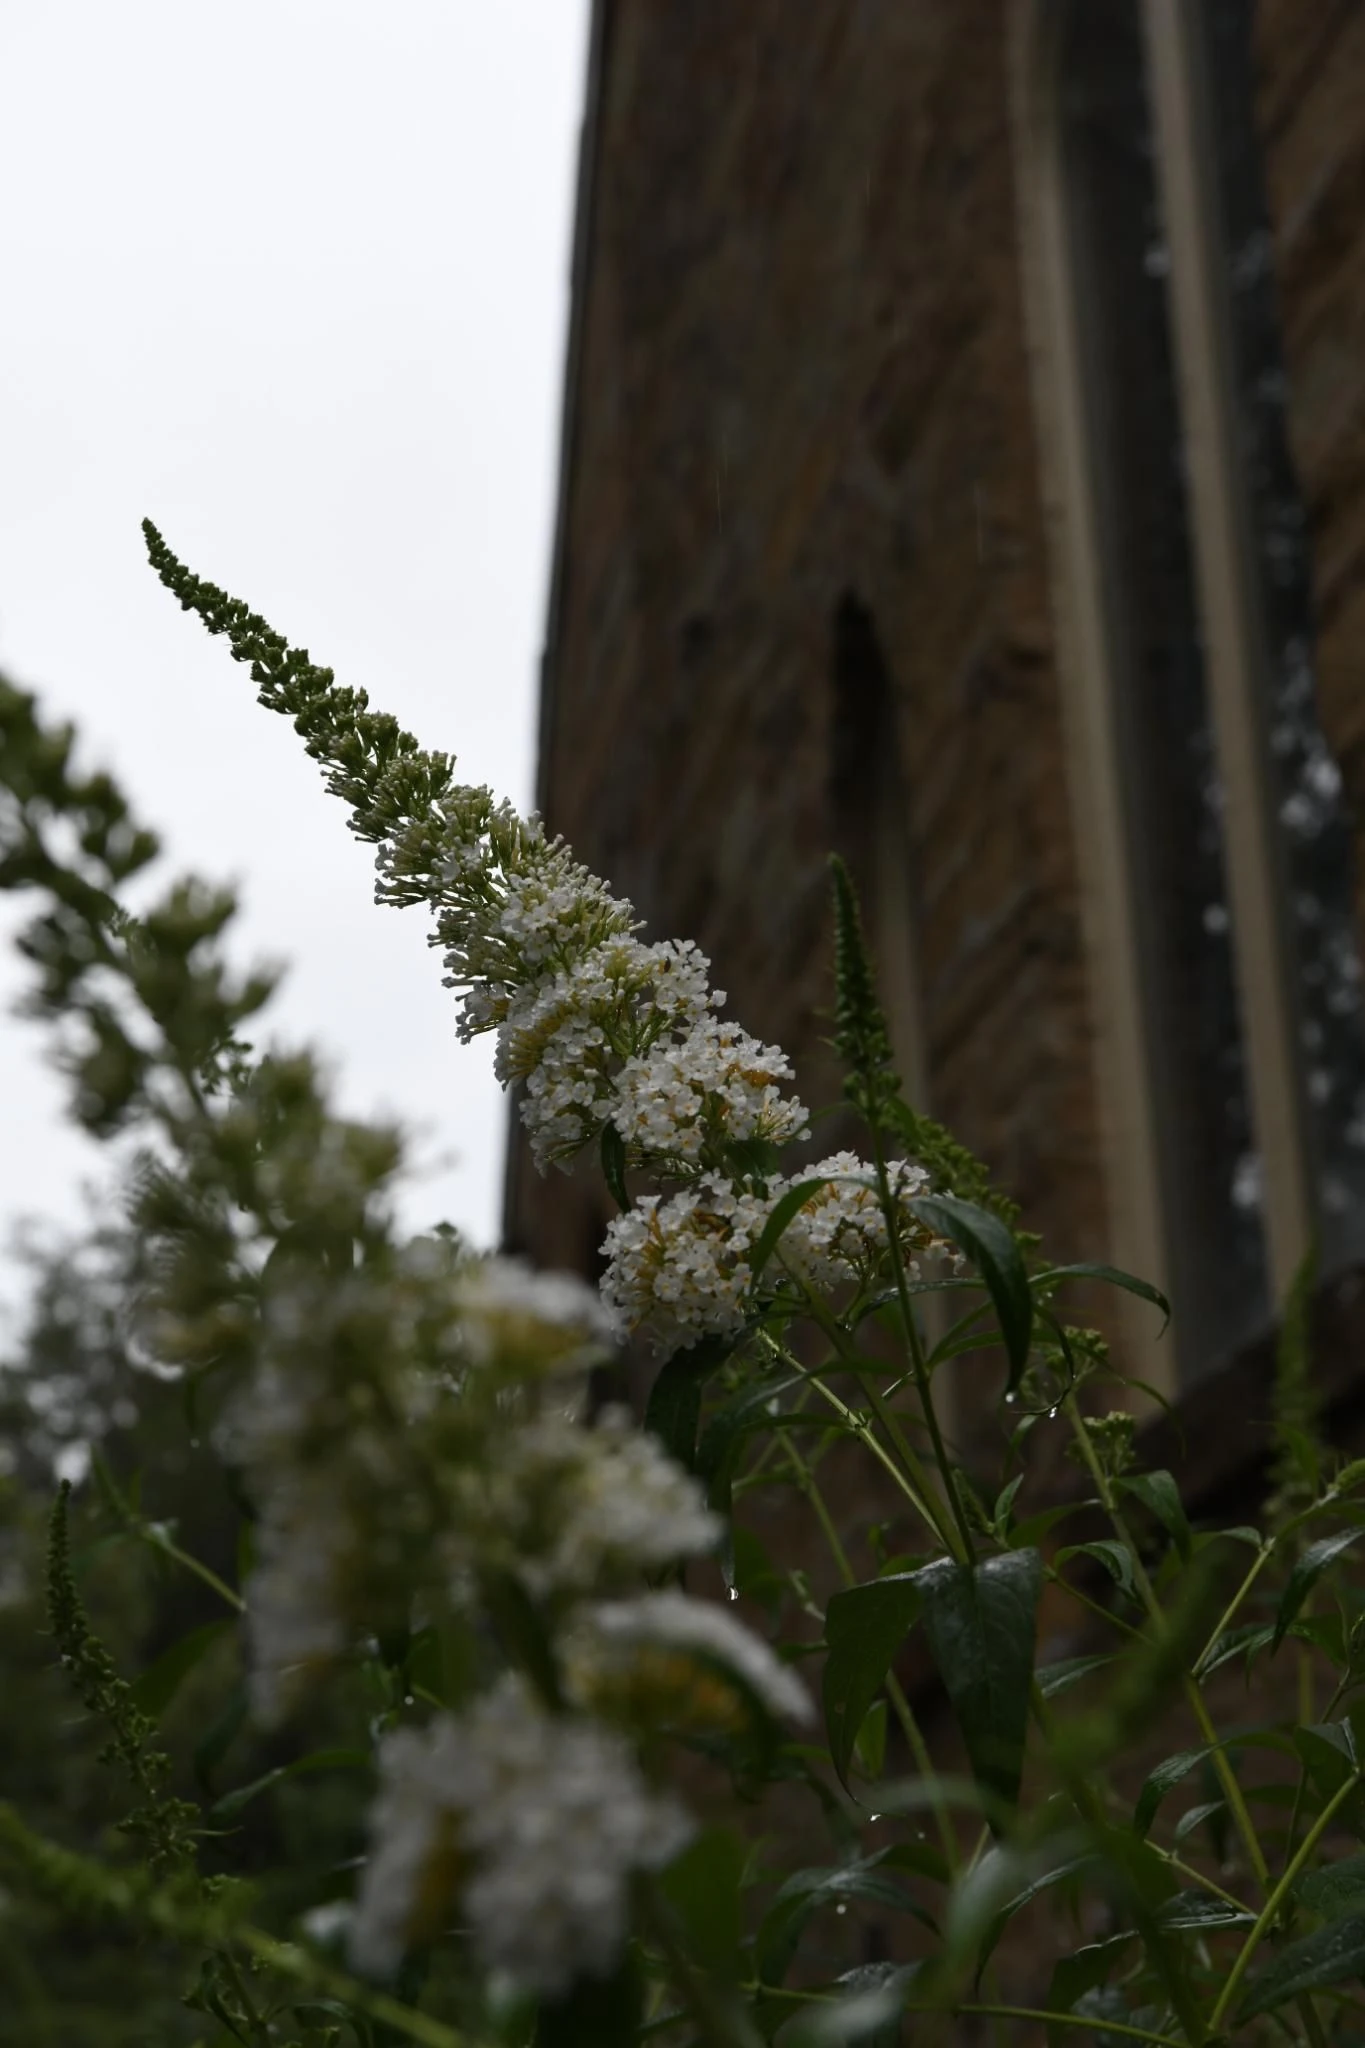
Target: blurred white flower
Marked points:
512	1315
536	1820
571	1510
294	1612
646	1639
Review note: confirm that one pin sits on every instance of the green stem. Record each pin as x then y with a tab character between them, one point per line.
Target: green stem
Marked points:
256	2025
1225	1619
910	1728
1063	2019
390	2012
1270	1911
863	1430
909	1457
157	1541
1226	1775
1168	1856
717	2020
926	1395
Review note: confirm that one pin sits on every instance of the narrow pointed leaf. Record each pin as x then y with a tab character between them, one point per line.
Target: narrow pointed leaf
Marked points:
1336	1890
1160	1495
1162	1780
864	1628
1333	1955
1116	1558
160	1682
1115	1277
804	1894
1306	1574
1055	1678
981	1622
992	1249
673	1410
614	1165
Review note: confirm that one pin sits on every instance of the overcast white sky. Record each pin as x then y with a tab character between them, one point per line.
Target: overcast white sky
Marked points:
290	277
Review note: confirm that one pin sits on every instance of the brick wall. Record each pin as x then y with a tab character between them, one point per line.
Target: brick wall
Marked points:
801	373
1311	115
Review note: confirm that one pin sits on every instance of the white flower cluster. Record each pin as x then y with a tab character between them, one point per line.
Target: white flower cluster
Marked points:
551	1815
570	1510
680	1268
565	1038
293	1614
839	1234
717	1083
617	1639
512	1315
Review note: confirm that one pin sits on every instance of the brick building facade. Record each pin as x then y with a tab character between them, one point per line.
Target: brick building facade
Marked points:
964	466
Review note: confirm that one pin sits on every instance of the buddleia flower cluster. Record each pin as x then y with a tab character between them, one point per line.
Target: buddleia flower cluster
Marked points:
612	1042
411	1426
419	1451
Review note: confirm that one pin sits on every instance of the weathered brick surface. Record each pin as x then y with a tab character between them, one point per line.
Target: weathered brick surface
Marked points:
802	374
1312	121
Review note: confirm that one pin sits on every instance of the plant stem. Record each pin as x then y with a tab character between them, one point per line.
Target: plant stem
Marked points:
1226	1775
390	2012
716	2018
1225	1619
1270	1911
944	1527
1063	2019
926	1395
866	1435
901	1707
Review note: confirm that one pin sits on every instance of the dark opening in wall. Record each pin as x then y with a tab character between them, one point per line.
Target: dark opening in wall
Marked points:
1198	1086
868	824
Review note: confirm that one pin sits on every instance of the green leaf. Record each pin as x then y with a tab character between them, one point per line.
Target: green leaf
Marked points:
673	1410
805	1893
864	1628
703	1888
750	1409
219	1736
1251	1637
522	1632
1160	1495
1116	1278
1116	1558
867	2016
232	1803
1196	1816
1328	1754
1306	1574
1332	1955
1164	1779
1200	1912
1055	1678
779	1216
1337	1889
614	1165
993	1250
981	1622
159	1683
597	2013
1077	1974
871	1744
1004	1507
984	1921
